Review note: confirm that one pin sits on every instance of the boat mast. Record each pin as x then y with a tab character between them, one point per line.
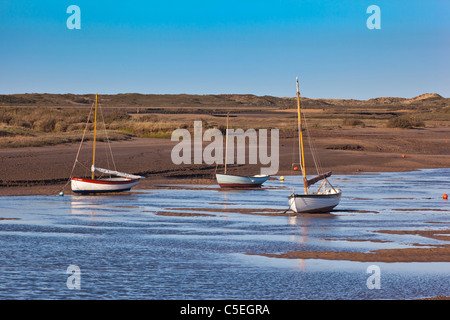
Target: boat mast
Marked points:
95	132
302	155
226	144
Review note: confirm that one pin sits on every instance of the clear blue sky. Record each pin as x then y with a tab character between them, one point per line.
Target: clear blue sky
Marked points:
213	47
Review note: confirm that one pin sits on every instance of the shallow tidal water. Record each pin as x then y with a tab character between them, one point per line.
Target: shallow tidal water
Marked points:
191	242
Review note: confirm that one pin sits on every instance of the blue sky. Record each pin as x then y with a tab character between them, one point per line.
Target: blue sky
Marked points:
214	47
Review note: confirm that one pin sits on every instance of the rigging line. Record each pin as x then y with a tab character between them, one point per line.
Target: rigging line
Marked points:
294	152
313	150
300	151
84	166
107	140
226	145
317	156
104	127
79	148
81	143
319	164
302	160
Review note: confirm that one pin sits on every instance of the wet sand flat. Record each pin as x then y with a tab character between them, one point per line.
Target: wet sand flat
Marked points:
437	253
434	254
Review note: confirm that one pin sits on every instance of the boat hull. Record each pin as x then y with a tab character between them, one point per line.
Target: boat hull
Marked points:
233	181
314	203
81	185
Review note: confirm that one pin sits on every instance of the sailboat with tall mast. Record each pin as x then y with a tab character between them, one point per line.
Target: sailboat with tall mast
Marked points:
122	181
236	181
322	200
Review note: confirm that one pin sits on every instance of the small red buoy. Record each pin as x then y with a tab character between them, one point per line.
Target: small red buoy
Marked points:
403	156
444	196
295	168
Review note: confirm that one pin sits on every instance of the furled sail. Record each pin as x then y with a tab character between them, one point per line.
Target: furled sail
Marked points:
311	181
116	173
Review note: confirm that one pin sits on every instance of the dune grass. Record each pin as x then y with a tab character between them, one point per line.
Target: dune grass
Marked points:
33	124
33	127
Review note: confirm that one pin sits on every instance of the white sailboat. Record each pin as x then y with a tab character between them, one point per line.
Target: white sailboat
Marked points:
236	181
322	200
121	182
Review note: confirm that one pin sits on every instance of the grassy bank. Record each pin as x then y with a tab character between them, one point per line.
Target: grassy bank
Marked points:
47	119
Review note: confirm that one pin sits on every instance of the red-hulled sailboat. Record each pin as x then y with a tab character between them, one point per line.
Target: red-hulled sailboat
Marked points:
121	182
